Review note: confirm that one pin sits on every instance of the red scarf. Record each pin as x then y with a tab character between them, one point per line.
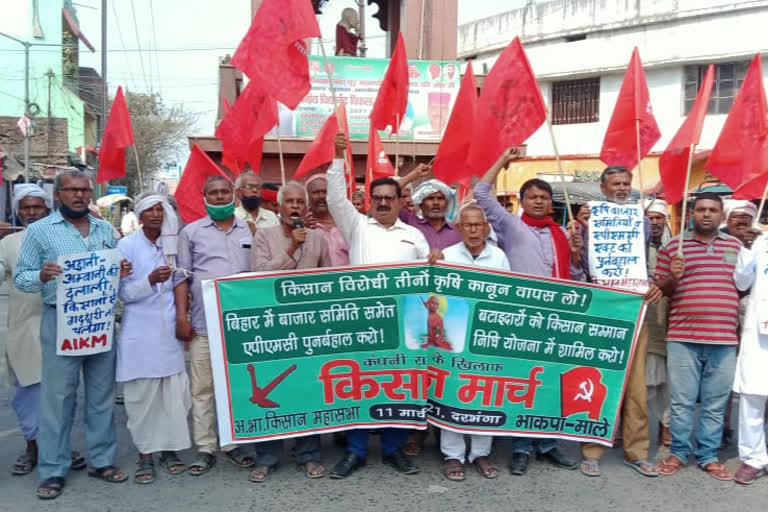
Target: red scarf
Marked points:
559	242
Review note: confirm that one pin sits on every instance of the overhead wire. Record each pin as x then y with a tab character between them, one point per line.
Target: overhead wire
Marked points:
154	39
122	43
148	83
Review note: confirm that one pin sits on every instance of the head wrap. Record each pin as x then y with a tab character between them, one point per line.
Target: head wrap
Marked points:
739	206
268	194
656	206
315	177
433	186
169	230
23	190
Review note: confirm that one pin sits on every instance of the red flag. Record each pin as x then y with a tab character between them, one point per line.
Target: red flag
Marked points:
740	155
118	135
673	164
452	153
341	117
633	104
322	149
392	99
274	53
228	158
582	391
463	191
189	193
509	110
244	125
377	164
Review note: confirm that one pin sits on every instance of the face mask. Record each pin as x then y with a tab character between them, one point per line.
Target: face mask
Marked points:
220	211
69	213
251	203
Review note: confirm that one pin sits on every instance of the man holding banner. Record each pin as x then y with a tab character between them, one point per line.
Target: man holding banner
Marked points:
554	255
69	231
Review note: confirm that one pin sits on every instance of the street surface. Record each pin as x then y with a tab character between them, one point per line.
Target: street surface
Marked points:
375	487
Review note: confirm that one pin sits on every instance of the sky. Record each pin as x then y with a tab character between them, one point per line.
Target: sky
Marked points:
181	42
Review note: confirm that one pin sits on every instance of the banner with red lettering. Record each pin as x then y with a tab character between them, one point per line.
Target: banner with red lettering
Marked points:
86	292
403	345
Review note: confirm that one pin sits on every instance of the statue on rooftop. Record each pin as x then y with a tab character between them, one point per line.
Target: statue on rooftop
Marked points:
348	33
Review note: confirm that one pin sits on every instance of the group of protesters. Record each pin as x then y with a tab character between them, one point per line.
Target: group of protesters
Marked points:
702	338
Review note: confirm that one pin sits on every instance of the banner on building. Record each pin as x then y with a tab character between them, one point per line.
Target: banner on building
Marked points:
616	238
86	293
403	345
432	92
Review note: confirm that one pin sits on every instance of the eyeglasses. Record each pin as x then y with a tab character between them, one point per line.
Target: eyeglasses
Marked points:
76	190
381	199
251	188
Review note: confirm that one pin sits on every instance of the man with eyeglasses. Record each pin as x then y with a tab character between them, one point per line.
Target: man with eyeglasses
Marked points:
380	238
70	230
248	193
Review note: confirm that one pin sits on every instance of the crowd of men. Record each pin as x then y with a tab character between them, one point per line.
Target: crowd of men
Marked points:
703	336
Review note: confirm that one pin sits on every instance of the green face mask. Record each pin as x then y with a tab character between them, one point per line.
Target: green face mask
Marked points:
220	211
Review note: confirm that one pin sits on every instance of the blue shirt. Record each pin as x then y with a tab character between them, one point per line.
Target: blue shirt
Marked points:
51	237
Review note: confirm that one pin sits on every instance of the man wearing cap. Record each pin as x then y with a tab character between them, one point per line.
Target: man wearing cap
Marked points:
269	198
151	368
22	344
251	210
322	221
739	217
656	323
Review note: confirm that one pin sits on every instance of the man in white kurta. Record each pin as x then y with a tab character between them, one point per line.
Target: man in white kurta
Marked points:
150	359
751	379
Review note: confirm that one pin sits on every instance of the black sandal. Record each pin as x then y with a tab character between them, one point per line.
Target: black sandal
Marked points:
238	458
108	474
54	484
24	465
205	461
144	468
169	460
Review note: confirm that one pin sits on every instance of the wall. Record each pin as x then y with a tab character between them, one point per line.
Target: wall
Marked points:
16	20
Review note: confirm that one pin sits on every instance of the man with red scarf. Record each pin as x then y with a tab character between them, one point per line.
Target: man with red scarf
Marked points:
537	245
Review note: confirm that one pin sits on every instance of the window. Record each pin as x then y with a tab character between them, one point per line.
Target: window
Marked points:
576	101
728	79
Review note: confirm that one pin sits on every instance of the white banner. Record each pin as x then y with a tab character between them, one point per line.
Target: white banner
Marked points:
616	239
86	293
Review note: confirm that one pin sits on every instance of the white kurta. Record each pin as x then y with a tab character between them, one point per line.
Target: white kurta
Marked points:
752	364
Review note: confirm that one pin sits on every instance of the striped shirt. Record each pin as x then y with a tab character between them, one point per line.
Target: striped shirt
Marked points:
49	238
704	307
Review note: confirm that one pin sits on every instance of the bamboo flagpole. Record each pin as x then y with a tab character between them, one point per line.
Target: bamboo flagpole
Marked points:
756	223
639	162
138	169
685	200
559	167
397	145
280	149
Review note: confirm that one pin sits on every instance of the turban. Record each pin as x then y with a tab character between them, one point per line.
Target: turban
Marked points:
739	206
315	177
433	186
656	206
23	190
169	231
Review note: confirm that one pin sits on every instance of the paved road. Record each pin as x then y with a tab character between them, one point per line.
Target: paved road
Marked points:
375	487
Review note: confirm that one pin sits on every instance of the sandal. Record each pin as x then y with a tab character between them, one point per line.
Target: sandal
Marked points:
718	471
51	488
453	470
145	471
412	448
642	467
78	461
260	474
170	462
239	458
590	467
111	474
670	466
204	463
314	469
485	467
24	465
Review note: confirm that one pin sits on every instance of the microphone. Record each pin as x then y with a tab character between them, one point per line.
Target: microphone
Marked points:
298	224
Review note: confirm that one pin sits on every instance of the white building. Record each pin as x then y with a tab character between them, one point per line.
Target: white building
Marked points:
579	50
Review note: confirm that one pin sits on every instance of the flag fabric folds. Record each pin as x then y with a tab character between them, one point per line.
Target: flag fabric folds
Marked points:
632	105
392	99
189	193
377	164
118	134
673	164
341	118
322	149
273	51
740	155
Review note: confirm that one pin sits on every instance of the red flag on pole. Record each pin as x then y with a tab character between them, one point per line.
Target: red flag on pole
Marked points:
322	149
341	117
633	104
274	53
189	193
392	99
673	164
740	155
118	135
377	164
228	157
449	165
510	109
